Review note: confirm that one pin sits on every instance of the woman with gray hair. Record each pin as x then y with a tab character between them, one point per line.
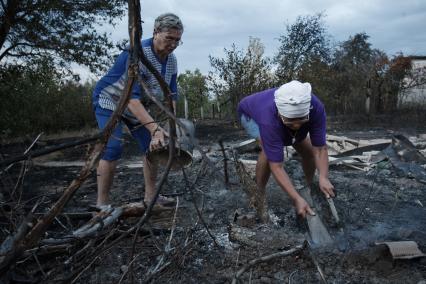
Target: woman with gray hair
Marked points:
141	116
168	21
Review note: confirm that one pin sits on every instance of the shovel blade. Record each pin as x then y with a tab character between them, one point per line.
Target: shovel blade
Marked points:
318	231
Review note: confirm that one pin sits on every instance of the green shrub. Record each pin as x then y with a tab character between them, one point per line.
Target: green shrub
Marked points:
36	98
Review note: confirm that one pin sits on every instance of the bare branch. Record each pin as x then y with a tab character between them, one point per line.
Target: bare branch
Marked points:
190	189
266	258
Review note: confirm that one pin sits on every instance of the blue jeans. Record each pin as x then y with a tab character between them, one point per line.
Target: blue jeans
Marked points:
250	126
114	147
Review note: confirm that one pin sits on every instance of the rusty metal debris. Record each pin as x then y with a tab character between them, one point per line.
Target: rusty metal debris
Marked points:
403	249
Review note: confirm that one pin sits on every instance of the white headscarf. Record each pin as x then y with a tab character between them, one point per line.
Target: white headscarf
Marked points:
293	99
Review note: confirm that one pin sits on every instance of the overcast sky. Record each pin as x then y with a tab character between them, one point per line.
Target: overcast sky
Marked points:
211	26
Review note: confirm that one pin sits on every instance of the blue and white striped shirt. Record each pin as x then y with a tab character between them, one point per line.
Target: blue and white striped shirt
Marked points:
108	90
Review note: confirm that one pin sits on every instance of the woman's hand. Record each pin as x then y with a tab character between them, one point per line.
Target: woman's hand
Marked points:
326	187
157	139
303	208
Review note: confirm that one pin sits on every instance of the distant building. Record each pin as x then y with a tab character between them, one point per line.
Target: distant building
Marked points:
416	91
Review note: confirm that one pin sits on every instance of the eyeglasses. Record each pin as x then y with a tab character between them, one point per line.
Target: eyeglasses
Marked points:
293	121
172	40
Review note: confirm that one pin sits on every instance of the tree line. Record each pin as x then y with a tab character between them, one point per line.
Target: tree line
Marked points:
39	42
351	77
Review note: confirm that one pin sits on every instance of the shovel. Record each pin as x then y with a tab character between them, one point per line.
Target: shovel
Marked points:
317	231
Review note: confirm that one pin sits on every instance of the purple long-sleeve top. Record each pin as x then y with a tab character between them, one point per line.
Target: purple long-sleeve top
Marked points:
273	133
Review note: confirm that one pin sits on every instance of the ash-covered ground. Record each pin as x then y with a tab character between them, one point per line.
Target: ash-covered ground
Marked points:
375	205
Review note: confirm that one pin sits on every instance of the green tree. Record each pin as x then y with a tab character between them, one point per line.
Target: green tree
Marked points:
321	77
61	31
305	42
239	74
36	99
354	65
193	87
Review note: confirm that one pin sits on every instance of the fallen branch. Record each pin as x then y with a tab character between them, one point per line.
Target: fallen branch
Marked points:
28	155
25	152
128	268
266	258
79	254
137	209
225	161
92	256
102	220
315	262
83	270
167	249
11	248
46	250
198	210
98	223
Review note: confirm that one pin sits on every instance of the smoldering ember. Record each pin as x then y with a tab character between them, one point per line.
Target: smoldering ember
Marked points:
209	217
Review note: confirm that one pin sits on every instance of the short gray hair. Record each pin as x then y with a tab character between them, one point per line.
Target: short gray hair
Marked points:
167	21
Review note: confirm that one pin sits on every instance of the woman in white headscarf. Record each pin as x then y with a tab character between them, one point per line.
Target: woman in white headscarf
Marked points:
285	116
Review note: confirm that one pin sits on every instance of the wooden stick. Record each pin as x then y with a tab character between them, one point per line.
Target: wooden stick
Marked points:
198	210
11	248
266	258
28	155
225	161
